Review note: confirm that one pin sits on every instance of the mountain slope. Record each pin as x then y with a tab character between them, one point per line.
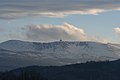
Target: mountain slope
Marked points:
86	71
15	53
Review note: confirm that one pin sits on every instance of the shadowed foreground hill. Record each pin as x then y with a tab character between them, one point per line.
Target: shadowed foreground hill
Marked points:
87	71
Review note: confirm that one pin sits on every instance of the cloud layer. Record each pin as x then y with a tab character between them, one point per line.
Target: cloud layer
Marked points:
12	9
47	32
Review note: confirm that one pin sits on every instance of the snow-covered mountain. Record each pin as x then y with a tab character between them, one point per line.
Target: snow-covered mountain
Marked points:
15	53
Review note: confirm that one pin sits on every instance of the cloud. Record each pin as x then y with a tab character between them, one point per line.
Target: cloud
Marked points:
117	30
47	32
13	9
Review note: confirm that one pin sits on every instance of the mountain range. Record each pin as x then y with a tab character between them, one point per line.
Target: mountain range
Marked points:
16	53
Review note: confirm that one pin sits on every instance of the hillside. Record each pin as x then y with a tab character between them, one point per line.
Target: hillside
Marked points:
15	53
85	71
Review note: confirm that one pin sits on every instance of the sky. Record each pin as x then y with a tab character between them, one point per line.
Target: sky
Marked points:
51	20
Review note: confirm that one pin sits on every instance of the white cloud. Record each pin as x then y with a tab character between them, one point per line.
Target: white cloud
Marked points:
12	9
117	30
47	32
64	13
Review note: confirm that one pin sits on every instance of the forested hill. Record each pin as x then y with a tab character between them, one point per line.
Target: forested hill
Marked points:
86	71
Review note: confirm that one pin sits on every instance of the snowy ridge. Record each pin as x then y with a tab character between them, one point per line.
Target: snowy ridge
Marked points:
17	53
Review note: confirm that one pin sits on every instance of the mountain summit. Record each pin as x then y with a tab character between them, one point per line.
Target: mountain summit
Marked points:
15	53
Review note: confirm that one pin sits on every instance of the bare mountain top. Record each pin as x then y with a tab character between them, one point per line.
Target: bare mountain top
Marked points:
15	53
